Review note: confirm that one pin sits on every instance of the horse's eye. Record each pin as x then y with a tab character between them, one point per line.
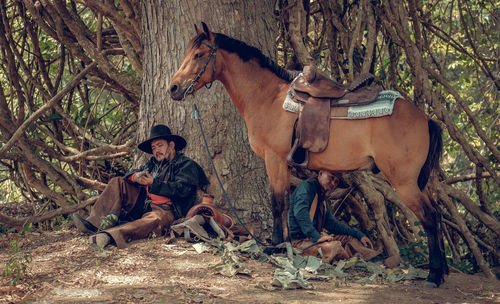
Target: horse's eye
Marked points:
198	55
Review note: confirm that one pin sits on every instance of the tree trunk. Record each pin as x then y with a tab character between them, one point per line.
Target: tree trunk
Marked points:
168	26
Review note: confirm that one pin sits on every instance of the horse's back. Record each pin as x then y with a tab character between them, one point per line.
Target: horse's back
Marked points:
389	141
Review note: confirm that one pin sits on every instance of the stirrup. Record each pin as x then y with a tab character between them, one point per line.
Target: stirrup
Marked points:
291	157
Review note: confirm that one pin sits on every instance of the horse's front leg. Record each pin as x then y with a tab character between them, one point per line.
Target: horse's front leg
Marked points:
279	179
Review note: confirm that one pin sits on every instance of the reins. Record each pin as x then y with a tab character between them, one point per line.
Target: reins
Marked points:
196	115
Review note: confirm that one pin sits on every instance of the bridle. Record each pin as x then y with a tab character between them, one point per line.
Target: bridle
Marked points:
196	115
213	50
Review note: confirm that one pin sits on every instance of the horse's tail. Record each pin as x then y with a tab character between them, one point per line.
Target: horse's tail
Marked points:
434	155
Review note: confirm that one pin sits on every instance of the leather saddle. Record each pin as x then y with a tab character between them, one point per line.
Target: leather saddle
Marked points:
316	94
207	209
205	222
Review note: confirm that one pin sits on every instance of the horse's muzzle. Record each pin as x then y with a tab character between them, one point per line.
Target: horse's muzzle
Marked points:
176	91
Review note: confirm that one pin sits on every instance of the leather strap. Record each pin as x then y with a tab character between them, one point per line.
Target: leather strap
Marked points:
314	205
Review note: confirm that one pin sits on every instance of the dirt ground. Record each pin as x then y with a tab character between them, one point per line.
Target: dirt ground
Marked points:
65	269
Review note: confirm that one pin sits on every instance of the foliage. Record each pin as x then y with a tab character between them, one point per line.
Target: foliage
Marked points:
100	252
17	264
27	228
86	136
443	56
464	266
8	190
108	221
415	253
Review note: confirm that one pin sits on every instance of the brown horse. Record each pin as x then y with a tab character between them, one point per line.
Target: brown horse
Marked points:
405	146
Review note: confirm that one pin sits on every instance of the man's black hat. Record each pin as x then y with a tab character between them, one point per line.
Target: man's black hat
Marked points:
342	184
162	131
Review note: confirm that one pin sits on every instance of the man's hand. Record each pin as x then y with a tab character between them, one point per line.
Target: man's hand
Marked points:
325	238
366	242
145	179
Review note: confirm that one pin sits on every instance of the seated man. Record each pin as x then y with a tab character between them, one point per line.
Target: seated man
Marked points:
309	214
148	199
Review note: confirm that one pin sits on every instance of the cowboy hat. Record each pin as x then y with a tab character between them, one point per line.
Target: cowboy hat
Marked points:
162	131
342	184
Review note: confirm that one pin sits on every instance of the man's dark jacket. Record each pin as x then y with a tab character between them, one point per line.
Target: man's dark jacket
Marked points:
301	226
178	180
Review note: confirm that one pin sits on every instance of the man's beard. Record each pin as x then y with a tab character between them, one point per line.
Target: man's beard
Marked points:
159	156
163	156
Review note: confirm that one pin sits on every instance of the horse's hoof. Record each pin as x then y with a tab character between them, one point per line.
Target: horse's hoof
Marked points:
269	250
428	284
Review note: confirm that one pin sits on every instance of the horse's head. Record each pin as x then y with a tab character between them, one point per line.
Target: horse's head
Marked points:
198	67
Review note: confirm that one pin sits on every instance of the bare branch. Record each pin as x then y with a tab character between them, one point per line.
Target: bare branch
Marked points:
50	104
296	29
19	222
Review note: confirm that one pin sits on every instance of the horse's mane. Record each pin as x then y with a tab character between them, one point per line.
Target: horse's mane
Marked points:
246	52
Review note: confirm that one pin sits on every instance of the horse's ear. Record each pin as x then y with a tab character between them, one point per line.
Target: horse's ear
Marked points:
209	34
198	31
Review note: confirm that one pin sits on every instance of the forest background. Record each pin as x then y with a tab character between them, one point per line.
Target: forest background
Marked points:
78	83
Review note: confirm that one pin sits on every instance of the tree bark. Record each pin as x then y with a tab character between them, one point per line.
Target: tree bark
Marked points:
462	226
168	26
296	29
375	200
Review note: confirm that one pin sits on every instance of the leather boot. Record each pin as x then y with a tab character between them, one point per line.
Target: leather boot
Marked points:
100	239
83	225
392	261
355	245
333	251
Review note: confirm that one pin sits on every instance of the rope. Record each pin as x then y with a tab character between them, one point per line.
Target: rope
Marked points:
343	200
196	115
312	245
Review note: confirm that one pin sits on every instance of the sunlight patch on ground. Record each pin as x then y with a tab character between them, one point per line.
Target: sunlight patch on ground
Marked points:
121	278
77	292
116	279
129	260
190	265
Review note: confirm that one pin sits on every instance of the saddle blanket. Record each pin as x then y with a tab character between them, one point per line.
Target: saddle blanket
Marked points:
382	106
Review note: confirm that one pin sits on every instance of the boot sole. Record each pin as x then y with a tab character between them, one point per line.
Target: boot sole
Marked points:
78	221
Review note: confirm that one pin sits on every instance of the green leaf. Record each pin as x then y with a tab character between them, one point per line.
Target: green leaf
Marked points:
54	116
84	109
313	264
102	254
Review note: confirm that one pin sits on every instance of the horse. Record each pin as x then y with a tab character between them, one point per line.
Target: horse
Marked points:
405	146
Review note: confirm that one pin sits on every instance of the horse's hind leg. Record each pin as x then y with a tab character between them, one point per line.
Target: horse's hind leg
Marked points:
438	266
430	218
